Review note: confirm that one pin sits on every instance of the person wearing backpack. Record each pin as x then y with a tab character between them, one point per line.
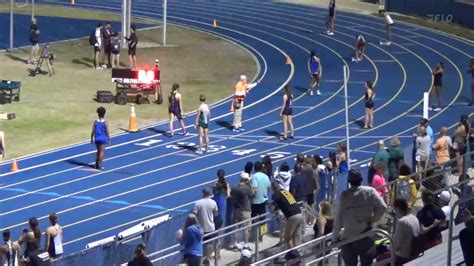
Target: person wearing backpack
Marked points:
405	187
95	41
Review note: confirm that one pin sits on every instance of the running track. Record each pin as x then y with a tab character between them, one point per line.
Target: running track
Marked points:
148	174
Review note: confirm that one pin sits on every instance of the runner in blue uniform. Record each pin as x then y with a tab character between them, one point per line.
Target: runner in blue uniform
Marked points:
287	113
175	109
100	136
314	65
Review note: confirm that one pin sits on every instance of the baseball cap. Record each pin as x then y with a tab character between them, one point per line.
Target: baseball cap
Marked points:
207	191
444	196
244	175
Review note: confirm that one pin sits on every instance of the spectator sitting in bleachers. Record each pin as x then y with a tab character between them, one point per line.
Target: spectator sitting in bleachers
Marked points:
444	198
466	238
140	258
324	224
431	217
406	233
359	208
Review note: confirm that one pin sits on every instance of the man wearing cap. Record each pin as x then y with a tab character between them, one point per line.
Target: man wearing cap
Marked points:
241	89
359	208
205	209
242	194
34	40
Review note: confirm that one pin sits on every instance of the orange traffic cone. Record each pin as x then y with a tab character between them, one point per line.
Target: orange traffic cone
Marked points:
288	60
14	166
214	23
132	121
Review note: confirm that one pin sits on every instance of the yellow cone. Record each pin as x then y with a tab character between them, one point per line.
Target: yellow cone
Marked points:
132	121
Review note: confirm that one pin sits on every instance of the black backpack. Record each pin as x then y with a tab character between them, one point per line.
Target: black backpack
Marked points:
92	39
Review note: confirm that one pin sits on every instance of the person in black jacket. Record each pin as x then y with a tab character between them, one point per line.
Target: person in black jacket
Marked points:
107	33
140	258
132	47
34	40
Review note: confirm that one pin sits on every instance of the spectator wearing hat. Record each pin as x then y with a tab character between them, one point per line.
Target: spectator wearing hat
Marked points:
359	208
241	195
395	159
140	258
382	157
444	198
241	90
466	238
205	210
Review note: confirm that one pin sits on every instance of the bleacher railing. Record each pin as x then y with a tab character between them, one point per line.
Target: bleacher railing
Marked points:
451	238
322	241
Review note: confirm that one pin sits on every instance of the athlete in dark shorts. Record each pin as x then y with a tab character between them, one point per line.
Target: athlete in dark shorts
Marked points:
203	117
132	47
175	109
438	71
369	105
287	113
314	66
106	37
331	17
359	48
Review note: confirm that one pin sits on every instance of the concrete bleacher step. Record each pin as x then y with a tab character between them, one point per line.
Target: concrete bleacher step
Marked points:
438	254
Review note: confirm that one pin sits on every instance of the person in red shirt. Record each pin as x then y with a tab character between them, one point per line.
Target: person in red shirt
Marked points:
379	181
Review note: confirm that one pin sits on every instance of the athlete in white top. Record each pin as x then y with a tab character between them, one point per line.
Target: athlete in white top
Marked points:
54	237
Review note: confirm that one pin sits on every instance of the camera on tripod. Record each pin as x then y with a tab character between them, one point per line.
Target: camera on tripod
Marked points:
50	58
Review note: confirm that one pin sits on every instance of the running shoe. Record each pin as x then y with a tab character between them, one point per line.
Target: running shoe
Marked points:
185	133
330	33
437	109
430	108
388	43
318	92
354	59
236	130
365	127
291	137
311	92
283	139
199	151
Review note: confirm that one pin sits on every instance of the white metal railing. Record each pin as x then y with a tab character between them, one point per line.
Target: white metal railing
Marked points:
451	228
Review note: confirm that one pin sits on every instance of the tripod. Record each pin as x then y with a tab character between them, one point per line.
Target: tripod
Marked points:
45	55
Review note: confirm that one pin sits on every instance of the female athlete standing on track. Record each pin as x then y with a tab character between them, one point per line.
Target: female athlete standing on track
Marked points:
369	105
314	66
100	135
175	109
287	113
331	16
203	116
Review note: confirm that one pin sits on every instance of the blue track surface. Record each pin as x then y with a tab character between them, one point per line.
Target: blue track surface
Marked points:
148	174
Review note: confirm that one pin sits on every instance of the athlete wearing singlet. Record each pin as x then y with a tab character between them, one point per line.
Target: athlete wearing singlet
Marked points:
437	72
100	136
9	251
286	113
204	116
54	237
174	107
288	107
360	48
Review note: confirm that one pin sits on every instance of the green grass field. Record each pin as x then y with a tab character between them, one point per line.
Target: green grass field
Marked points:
59	110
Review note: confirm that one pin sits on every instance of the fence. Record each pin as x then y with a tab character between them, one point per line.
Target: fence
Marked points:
455	11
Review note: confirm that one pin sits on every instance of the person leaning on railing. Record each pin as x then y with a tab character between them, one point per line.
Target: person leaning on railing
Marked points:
359	208
466	238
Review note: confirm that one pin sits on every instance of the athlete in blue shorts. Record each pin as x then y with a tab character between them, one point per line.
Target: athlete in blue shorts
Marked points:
314	65
100	136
